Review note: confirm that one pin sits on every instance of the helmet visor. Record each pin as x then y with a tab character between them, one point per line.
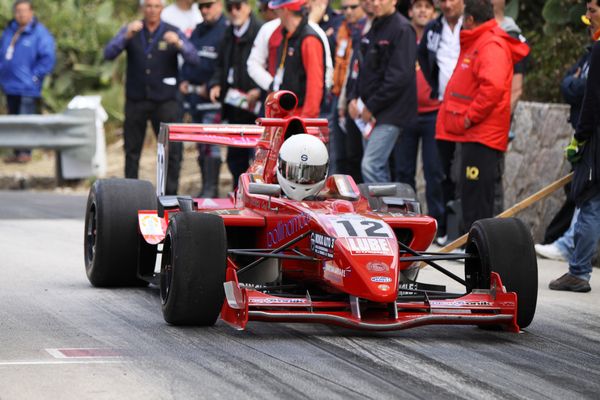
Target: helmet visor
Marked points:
302	174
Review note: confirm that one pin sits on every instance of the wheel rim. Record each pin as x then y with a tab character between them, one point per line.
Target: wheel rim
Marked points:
90	234
166	271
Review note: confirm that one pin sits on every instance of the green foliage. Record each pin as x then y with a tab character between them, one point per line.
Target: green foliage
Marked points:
557	41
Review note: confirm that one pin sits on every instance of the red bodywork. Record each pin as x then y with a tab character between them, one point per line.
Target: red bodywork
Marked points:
343	248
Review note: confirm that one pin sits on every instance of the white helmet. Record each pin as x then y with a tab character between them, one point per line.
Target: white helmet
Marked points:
302	166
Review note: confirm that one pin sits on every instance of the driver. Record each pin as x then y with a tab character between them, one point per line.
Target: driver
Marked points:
302	166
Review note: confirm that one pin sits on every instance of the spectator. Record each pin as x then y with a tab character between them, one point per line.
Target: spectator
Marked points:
231	85
26	57
558	242
509	26
300	58
152	47
438	52
329	20
262	64
354	138
386	87
406	149
183	14
206	38
584	153
476	107
347	41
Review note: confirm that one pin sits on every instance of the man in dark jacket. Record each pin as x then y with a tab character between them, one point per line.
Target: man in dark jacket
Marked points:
386	93
152	47
26	57
206	38
231	84
584	153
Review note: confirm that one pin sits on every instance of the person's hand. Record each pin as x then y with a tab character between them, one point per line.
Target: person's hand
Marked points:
366	115
201	91
341	112
184	86
352	109
173	38
468	123
577	73
133	28
573	151
253	95
215	93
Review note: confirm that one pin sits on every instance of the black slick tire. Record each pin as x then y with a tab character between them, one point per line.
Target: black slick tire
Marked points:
193	269
113	248
505	246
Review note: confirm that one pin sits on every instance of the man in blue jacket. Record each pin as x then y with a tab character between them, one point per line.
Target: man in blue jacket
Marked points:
26	57
152	47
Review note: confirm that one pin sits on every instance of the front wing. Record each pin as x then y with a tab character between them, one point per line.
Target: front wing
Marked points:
481	307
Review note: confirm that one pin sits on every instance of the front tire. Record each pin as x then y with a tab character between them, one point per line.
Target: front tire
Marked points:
113	247
193	269
505	246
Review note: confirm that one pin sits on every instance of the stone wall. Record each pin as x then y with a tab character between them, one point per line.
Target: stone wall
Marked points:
534	159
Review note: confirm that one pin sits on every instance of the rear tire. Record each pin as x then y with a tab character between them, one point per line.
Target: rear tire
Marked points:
193	268
113	248
505	246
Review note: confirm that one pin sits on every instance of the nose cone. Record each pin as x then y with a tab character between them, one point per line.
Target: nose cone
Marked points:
365	267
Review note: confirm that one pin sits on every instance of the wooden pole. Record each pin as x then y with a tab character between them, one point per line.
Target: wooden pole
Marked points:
539	195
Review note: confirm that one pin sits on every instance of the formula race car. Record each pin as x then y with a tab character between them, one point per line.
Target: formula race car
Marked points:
295	245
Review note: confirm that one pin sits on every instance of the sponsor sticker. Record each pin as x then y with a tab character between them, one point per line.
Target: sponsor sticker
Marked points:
377	266
333	273
276	301
383	288
322	244
369	245
381	279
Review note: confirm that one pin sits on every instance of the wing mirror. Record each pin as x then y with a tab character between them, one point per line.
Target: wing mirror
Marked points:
382	190
267	189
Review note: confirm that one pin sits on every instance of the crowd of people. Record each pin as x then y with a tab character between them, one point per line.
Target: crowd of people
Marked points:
444	76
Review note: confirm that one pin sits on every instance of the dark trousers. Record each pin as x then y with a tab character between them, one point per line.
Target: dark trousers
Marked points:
446	153
19	105
137	115
238	159
353	149
405	162
480	169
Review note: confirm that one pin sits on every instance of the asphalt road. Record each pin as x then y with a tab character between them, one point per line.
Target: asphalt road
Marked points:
120	347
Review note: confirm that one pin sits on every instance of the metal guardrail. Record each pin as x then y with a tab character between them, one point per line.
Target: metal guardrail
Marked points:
73	134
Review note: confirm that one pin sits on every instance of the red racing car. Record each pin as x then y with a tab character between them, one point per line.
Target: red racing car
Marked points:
295	245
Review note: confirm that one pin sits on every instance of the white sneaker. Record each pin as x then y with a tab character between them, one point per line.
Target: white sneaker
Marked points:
549	251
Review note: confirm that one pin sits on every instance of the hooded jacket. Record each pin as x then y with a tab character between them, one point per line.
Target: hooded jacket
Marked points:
33	58
480	88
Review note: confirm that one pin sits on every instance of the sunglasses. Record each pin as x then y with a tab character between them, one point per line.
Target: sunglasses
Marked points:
205	5
234	6
351	7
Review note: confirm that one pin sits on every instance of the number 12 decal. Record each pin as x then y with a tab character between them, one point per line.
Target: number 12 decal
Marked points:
361	228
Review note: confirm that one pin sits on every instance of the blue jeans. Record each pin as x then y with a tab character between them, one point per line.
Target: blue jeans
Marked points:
405	162
566	243
378	148
587	234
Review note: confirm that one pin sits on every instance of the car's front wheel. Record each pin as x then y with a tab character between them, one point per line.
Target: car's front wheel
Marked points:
193	268
505	246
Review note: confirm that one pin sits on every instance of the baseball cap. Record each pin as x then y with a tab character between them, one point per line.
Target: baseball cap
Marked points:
206	1
294	5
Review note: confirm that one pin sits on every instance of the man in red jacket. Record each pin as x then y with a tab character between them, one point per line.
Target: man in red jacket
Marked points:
476	106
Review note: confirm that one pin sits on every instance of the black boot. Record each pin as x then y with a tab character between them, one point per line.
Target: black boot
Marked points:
211	166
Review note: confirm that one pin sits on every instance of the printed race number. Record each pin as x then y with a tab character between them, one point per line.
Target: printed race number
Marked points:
361	228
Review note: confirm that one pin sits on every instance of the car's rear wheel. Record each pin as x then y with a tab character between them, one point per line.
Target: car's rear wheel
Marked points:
113	248
193	268
505	246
